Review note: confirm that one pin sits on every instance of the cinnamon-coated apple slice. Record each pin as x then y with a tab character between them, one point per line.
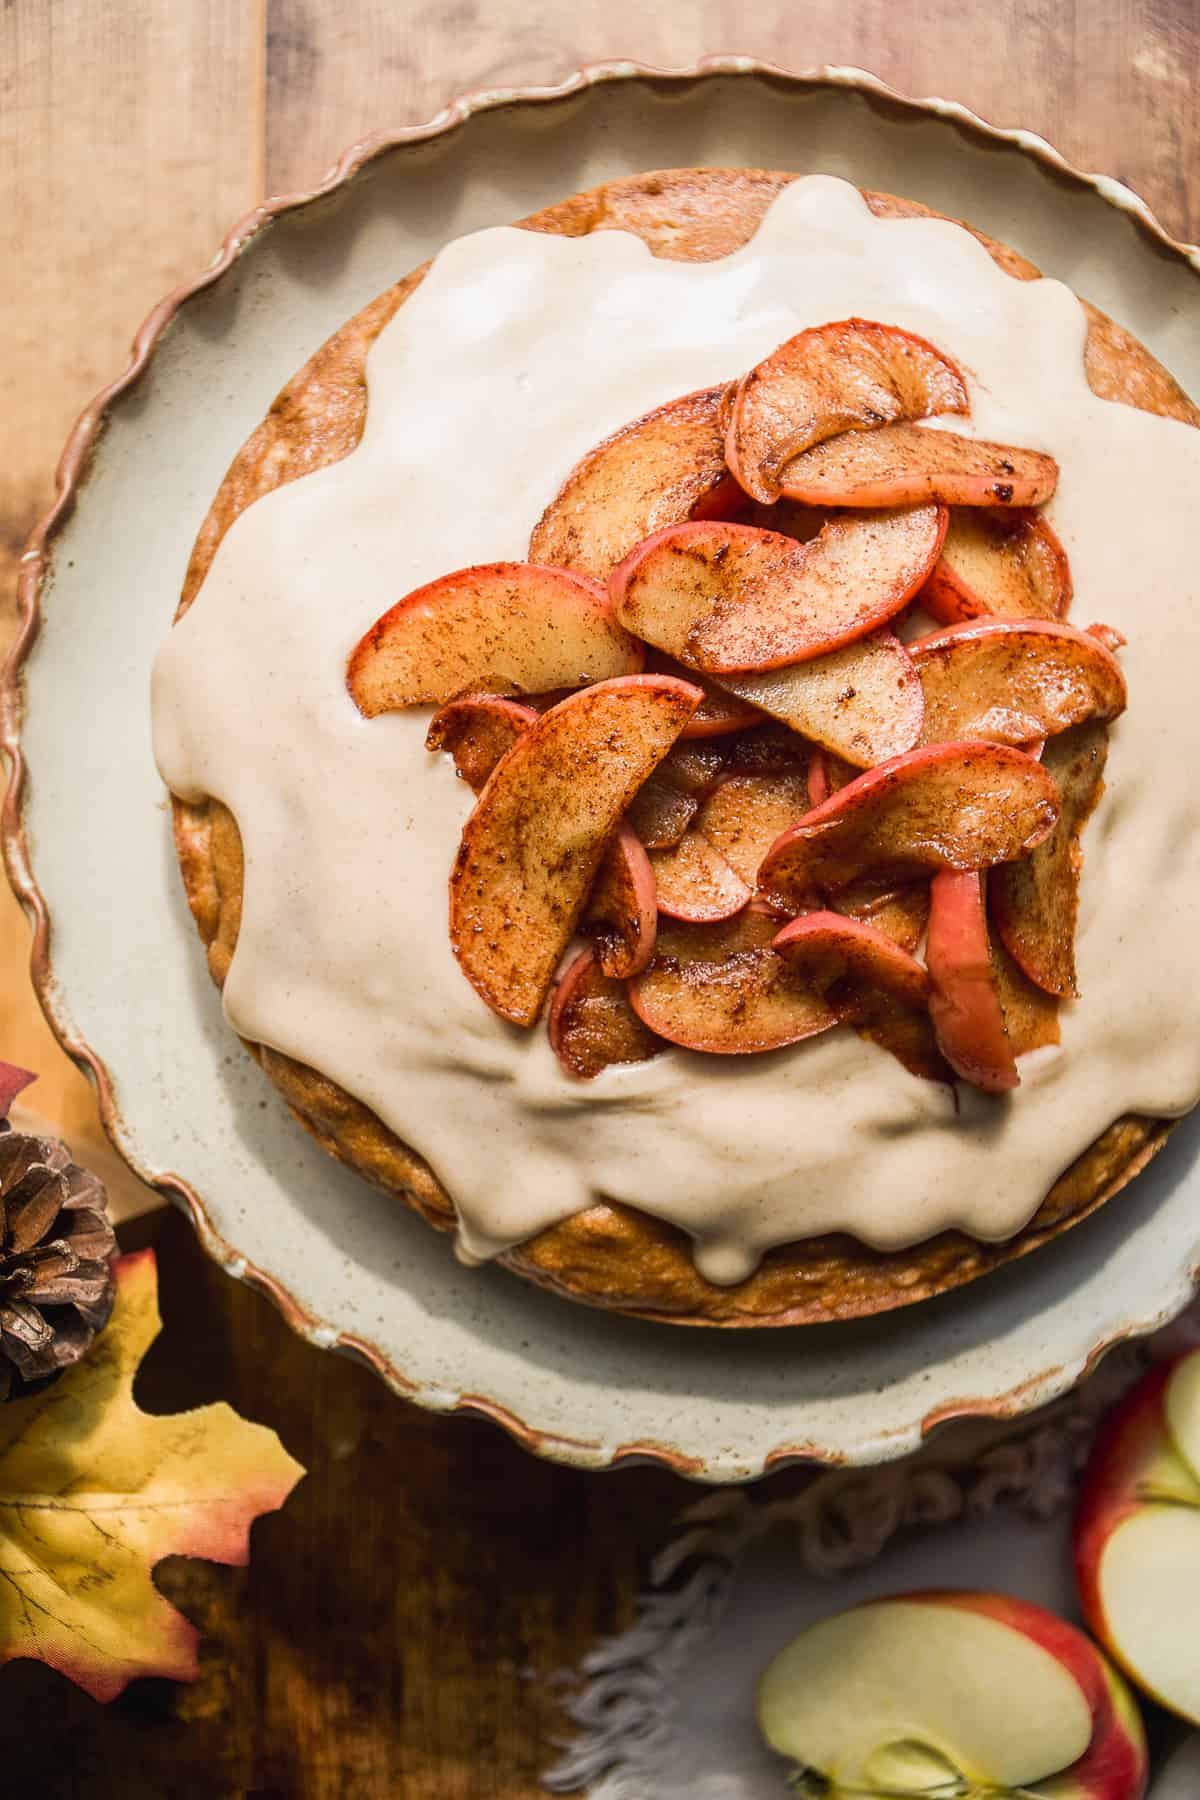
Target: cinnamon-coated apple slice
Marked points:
863	702
1035	903
721	988
719	714
531	848
621	914
730	599
1030	1014
1013	681
1137	1535
964	1003
826	774
511	628
998	565
952	1694
745	814
592	1025
477	730
849	375
870	982
693	881
901	914
658	471
907	465
948	806
665	806
767	749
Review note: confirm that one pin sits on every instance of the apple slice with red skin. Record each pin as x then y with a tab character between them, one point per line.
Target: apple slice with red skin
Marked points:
665	806
505	627
663	468
719	714
964	1003
531	848
952	1693
722	989
694	882
1035	903
908	465
870	982
1014	680
1137	1535
998	565
849	375
948	806
731	599
1030	1014
477	730
826	774
591	1023
621	914
745	814
901	913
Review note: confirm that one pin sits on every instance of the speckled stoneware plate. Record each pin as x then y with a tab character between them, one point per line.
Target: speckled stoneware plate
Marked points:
88	842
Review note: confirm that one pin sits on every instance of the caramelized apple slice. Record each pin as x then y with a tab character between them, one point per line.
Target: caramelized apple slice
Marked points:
622	910
863	702
955	806
769	749
901	914
1030	1015
850	375
531	848
719	713
722	988
870	983
507	627
727	599
903	465
1014	681
477	730
746	813
656	472
695	882
998	565
964	1003
665	806
1035	903
591	1023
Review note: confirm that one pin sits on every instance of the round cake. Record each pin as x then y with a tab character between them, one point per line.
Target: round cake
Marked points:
813	1183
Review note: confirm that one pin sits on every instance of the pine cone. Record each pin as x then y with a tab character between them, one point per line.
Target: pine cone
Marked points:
56	1284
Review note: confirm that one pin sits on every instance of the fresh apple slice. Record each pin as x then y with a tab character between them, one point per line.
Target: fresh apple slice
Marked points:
863	702
998	565
477	730
1014	680
665	806
1030	1014
530	850
727	599
591	1023
870	982
512	628
746	813
850	375
1137	1535
948	806
722	988
964	1004
904	465
694	881
1035	903
622	910
952	1693
657	471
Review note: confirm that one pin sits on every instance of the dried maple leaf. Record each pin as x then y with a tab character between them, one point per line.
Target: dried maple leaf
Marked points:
94	1492
12	1081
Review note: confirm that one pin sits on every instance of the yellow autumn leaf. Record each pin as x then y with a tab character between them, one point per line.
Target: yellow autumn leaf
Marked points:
94	1492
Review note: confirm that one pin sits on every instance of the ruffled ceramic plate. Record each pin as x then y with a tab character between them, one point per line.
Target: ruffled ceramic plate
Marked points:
87	829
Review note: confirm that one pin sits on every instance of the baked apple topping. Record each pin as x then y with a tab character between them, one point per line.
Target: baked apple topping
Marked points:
699	744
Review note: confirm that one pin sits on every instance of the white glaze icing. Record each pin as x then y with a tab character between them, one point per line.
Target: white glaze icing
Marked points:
515	355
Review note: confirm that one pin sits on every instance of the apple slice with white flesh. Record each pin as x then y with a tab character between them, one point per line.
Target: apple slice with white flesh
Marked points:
512	628
948	806
591	1023
949	1695
901	914
1012	681
731	599
964	1002
531	848
998	565
849	375
745	814
1035	903
665	806
693	881
870	982
718	714
621	914
906	465
477	730
658	471
721	988
1137	1535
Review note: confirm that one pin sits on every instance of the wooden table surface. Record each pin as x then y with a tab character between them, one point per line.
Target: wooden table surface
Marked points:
393	1634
